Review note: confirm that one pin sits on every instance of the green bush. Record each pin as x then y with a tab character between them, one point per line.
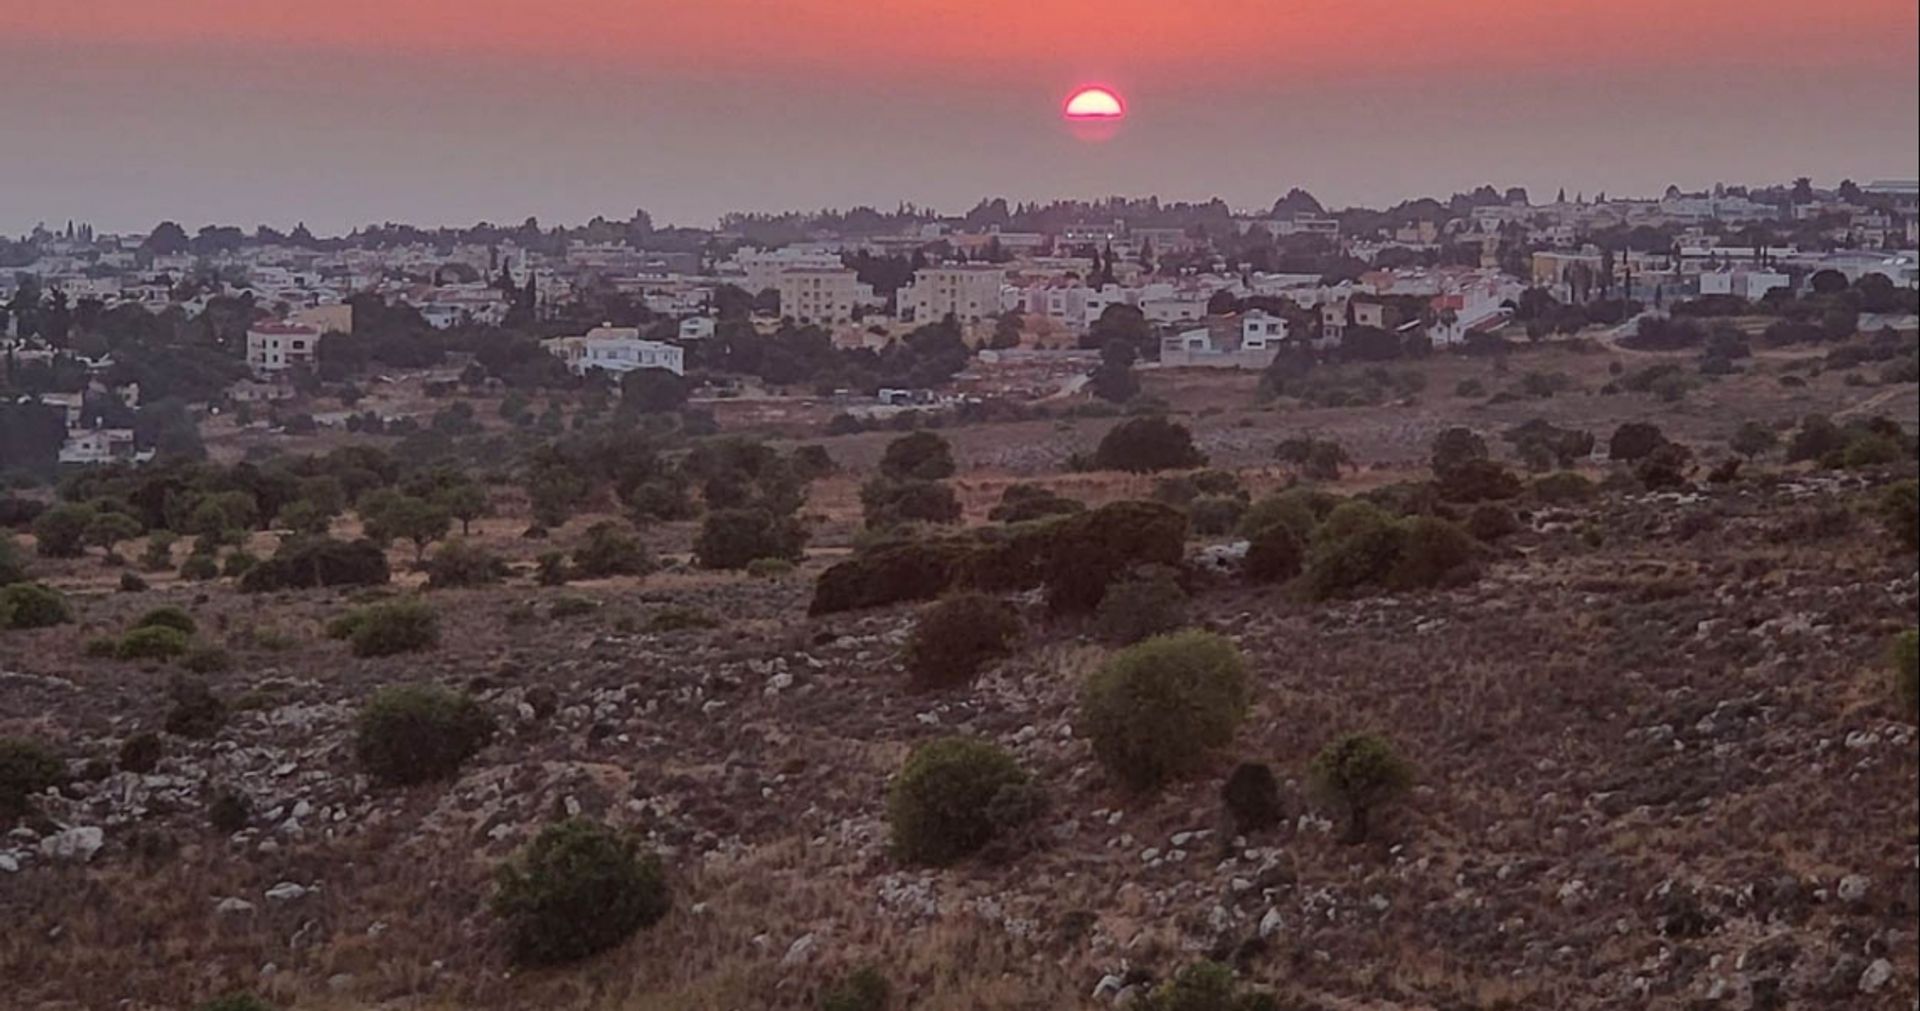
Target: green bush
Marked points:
200	567
865	989
887	502
1148	444
229	811
1205	986
562	608
1301	509
416	733
399	626
958	635
1634	440
1252	797
1432	552
1155	709
130	582
31	605
731	538
552	569
918	456
1667	466
1088	552
168	616
1275	551
769	568
207	660
26	768
152	642
236	1002
580	888
676	618
1214	515
141	753
1356	546
1563	487
238	564
1360	772
1899	510
158	554
610	551
1478	481
461	562
318	561
13	569
1147	602
890	573
194	710
1906	671
61	531
1022	502
939	806
1489	523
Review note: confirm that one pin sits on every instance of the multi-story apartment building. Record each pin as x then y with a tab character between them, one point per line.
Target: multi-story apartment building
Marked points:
970	292
824	295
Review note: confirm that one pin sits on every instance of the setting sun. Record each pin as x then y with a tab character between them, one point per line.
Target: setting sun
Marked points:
1094	103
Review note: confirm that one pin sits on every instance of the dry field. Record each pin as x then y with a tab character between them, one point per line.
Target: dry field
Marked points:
1658	765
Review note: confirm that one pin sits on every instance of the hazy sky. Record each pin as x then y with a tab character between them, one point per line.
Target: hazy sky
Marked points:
344	112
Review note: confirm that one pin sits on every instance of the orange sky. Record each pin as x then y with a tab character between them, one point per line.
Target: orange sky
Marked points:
430	109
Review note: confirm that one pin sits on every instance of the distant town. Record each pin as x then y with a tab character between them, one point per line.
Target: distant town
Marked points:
120	346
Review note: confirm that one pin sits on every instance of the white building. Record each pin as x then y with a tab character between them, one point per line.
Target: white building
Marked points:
616	349
275	347
99	445
1749	284
1260	329
825	295
696	328
760	270
970	292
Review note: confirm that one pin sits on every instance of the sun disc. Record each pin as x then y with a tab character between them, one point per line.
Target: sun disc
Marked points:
1095	103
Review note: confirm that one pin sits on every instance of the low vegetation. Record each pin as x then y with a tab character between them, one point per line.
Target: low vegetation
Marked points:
578	889
1156	709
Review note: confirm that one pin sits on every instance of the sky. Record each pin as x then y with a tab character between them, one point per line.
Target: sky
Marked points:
337	113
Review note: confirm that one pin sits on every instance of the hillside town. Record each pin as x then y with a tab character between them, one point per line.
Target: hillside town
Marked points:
113	341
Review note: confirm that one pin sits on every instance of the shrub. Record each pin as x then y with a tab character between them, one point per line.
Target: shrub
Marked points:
551	569
1149	601
168	616
1022	502
158	554
1301	509
918	456
141	753
1871	450
26	768
31	605
12	568
889	573
194	712
1898	507
938	806
1314	459
207	660
1477	481
318	561
1753	439
864	990
1089	551
236	1002
886	502
1634	440
237	564
610	551
229	811
1252	797
1360	772
130	582
1148	444
1204	986
1432	552
957	636
399	626
1906	671
1565	486
731	538
1275	552
769	568
676	618
1156	708
571	607
152	642
1666	467
1214	515
416	733
1356	546
1454	448
200	567
460	562
1489	523
60	532
578	889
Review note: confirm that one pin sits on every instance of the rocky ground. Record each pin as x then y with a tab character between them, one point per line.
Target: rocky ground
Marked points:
1658	767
